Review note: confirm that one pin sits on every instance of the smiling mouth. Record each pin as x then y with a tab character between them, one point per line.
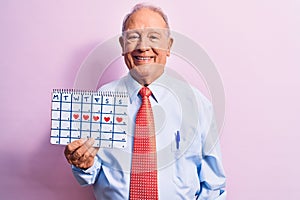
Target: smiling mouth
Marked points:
143	58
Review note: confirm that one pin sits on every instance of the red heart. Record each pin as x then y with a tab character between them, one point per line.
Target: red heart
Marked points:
86	117
119	119
75	116
95	118
106	119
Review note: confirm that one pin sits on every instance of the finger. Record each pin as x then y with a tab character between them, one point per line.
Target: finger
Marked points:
87	160
89	142
89	154
78	153
86	165
94	151
70	148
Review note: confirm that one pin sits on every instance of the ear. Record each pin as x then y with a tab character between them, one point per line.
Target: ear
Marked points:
121	41
170	43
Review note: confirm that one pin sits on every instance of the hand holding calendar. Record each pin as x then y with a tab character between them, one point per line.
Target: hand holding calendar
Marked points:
81	153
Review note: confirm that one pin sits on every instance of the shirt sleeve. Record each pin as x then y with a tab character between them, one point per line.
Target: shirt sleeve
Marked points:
212	177
211	174
88	176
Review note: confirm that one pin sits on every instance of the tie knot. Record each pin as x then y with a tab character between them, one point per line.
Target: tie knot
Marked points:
145	92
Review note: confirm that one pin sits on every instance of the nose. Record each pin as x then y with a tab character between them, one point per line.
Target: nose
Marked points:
143	45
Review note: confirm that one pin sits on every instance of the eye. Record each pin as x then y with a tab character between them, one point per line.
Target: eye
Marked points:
154	37
133	37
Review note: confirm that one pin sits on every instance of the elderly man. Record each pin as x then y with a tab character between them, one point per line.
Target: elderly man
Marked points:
169	125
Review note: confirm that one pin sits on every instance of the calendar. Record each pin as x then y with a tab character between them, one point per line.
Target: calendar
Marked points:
100	115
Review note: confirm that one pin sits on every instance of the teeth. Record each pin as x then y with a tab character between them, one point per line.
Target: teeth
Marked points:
142	58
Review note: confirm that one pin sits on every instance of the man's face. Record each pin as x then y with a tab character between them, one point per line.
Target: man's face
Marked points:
146	45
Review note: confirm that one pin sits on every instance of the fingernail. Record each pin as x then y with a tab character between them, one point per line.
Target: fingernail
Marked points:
91	140
83	140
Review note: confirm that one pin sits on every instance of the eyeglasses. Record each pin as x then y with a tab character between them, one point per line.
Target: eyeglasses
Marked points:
146	38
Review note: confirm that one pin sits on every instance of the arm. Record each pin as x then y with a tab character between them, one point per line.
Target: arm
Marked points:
212	178
85	164
211	174
87	176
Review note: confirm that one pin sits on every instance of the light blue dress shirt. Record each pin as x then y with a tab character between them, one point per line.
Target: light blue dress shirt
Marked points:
189	167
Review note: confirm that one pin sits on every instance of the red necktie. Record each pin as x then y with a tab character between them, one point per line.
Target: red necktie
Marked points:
143	178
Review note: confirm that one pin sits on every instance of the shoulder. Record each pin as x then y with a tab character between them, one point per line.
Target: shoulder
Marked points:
116	85
185	90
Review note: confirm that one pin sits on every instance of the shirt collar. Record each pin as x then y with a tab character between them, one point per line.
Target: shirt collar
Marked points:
156	87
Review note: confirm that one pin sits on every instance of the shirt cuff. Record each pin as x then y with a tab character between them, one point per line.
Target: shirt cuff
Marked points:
90	170
87	176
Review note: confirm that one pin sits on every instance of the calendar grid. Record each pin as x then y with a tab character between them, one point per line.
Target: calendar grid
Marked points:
101	116
60	107
71	119
98	115
81	107
114	114
91	114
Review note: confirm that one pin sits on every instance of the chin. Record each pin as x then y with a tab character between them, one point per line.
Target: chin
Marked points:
146	74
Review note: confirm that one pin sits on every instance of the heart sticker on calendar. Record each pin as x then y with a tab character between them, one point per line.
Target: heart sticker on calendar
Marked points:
106	119
96	118
75	116
119	119
86	117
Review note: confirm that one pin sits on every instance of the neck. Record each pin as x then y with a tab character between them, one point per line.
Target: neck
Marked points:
144	81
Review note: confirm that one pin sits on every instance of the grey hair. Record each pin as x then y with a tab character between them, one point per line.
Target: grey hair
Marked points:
140	6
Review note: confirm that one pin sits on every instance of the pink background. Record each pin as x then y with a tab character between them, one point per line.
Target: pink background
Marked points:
255	45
